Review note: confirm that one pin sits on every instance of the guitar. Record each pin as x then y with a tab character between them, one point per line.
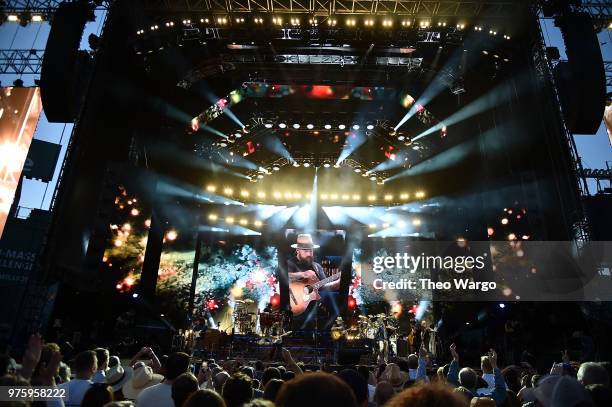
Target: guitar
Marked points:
301	293
274	339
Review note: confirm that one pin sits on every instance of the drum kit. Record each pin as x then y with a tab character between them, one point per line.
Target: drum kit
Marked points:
244	321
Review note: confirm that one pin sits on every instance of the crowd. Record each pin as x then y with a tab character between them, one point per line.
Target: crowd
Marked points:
94	378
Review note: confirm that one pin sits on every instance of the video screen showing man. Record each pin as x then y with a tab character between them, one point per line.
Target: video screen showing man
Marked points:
307	279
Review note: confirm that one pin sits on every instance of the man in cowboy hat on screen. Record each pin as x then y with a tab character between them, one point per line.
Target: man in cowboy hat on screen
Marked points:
302	266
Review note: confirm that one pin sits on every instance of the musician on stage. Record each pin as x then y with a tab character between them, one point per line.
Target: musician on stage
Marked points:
303	267
276	335
338	332
381	340
392	335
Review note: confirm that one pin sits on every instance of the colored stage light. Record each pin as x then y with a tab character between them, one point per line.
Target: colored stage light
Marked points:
511	236
118	243
504	221
171	235
490	232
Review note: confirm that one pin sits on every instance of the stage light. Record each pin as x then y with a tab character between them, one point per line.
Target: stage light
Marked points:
404	196
357	170
356	197
276	168
334	196
171	235
373	178
134	212
385	225
324	197
118	243
504	221
388	197
525	237
502	305
13	18
419	194
460	26
370	126
313	21
336	165
369	23
332	22
257	223
268	125
37	18
406	23
282	125
296	126
355	127
306	164
222	20
341	126
277	195
490	231
326	165
295	21
350	22
296	164
297	195
277	20
401	224
345	197
244	222
511	236
327	126
416	222
244	193
371	198
372	225
213	217
229	220
401	137
260	176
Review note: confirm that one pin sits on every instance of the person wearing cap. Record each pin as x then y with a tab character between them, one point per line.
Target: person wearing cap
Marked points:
117	376
303	267
142	378
161	394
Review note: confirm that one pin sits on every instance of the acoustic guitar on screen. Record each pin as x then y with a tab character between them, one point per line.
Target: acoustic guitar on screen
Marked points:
302	293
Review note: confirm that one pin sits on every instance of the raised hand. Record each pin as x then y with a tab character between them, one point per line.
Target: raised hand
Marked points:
286	355
32	355
422	352
493	358
453	351
48	371
565	357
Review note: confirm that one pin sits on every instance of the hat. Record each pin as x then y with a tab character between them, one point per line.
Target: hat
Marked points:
117	376
394	375
142	378
304	241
